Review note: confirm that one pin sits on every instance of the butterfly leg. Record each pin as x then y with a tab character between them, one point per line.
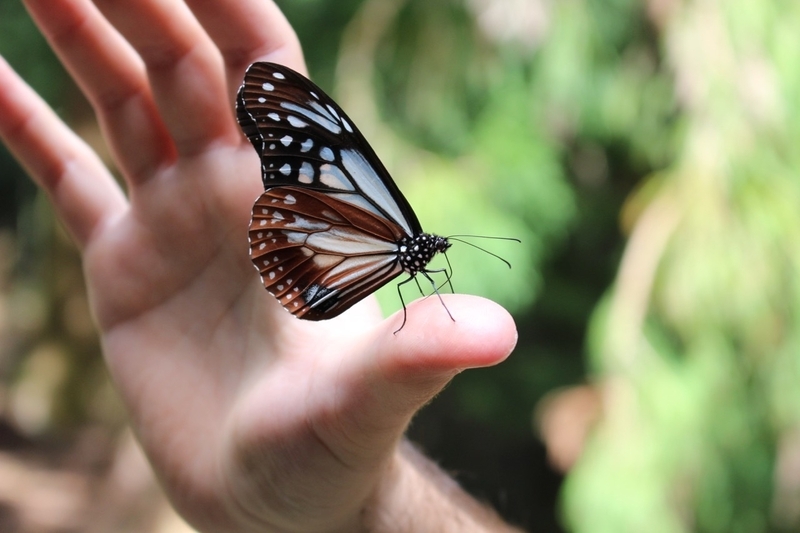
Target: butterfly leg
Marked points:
446	281
420	288
433	284
449	271
400	294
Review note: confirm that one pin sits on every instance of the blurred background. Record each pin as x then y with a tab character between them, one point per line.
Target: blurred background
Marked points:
646	154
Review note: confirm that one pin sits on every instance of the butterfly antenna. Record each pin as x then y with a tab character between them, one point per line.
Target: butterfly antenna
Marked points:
493	237
455	238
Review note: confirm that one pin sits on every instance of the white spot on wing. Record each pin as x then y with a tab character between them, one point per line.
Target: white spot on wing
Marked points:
333	111
332	176
286	169
274	116
322	111
326	154
360	201
322	118
267	86
279	76
306	173
261	99
307	145
289	199
296	122
286	140
294	236
347	125
308	225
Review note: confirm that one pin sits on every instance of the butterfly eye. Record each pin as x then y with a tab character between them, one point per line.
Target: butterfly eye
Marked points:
331	226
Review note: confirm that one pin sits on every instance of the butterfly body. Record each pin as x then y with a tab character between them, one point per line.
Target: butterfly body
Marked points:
331	226
414	253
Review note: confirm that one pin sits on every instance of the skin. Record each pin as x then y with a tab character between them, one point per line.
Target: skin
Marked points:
252	419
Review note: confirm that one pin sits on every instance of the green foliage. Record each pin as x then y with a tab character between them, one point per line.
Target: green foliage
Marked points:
697	342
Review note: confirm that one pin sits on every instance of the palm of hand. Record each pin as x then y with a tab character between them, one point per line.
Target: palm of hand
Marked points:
176	261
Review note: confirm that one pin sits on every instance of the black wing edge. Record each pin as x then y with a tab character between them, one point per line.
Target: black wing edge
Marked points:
247	122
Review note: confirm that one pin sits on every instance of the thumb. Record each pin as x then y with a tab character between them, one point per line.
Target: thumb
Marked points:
399	373
480	333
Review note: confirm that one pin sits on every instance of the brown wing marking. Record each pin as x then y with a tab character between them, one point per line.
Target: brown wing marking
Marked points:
318	256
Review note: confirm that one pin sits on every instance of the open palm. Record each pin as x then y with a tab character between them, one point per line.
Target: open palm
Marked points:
252	418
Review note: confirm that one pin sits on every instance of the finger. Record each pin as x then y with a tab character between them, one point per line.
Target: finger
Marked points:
112	76
184	68
248	31
398	374
82	190
480	333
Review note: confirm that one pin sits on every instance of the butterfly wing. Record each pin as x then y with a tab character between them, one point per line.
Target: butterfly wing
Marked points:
304	138
318	256
325	232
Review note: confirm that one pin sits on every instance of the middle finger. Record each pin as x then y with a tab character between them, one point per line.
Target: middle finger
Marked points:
184	67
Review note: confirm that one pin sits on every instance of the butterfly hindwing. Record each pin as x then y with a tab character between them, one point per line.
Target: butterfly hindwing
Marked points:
317	255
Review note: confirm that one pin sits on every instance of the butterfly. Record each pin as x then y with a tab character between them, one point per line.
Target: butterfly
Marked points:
331	226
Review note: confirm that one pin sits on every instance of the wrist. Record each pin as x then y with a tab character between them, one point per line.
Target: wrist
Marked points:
416	495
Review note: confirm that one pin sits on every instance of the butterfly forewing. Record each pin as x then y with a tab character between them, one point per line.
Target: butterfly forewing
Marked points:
303	137
331	226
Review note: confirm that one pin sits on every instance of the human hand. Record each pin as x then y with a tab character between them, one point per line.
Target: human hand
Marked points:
253	420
